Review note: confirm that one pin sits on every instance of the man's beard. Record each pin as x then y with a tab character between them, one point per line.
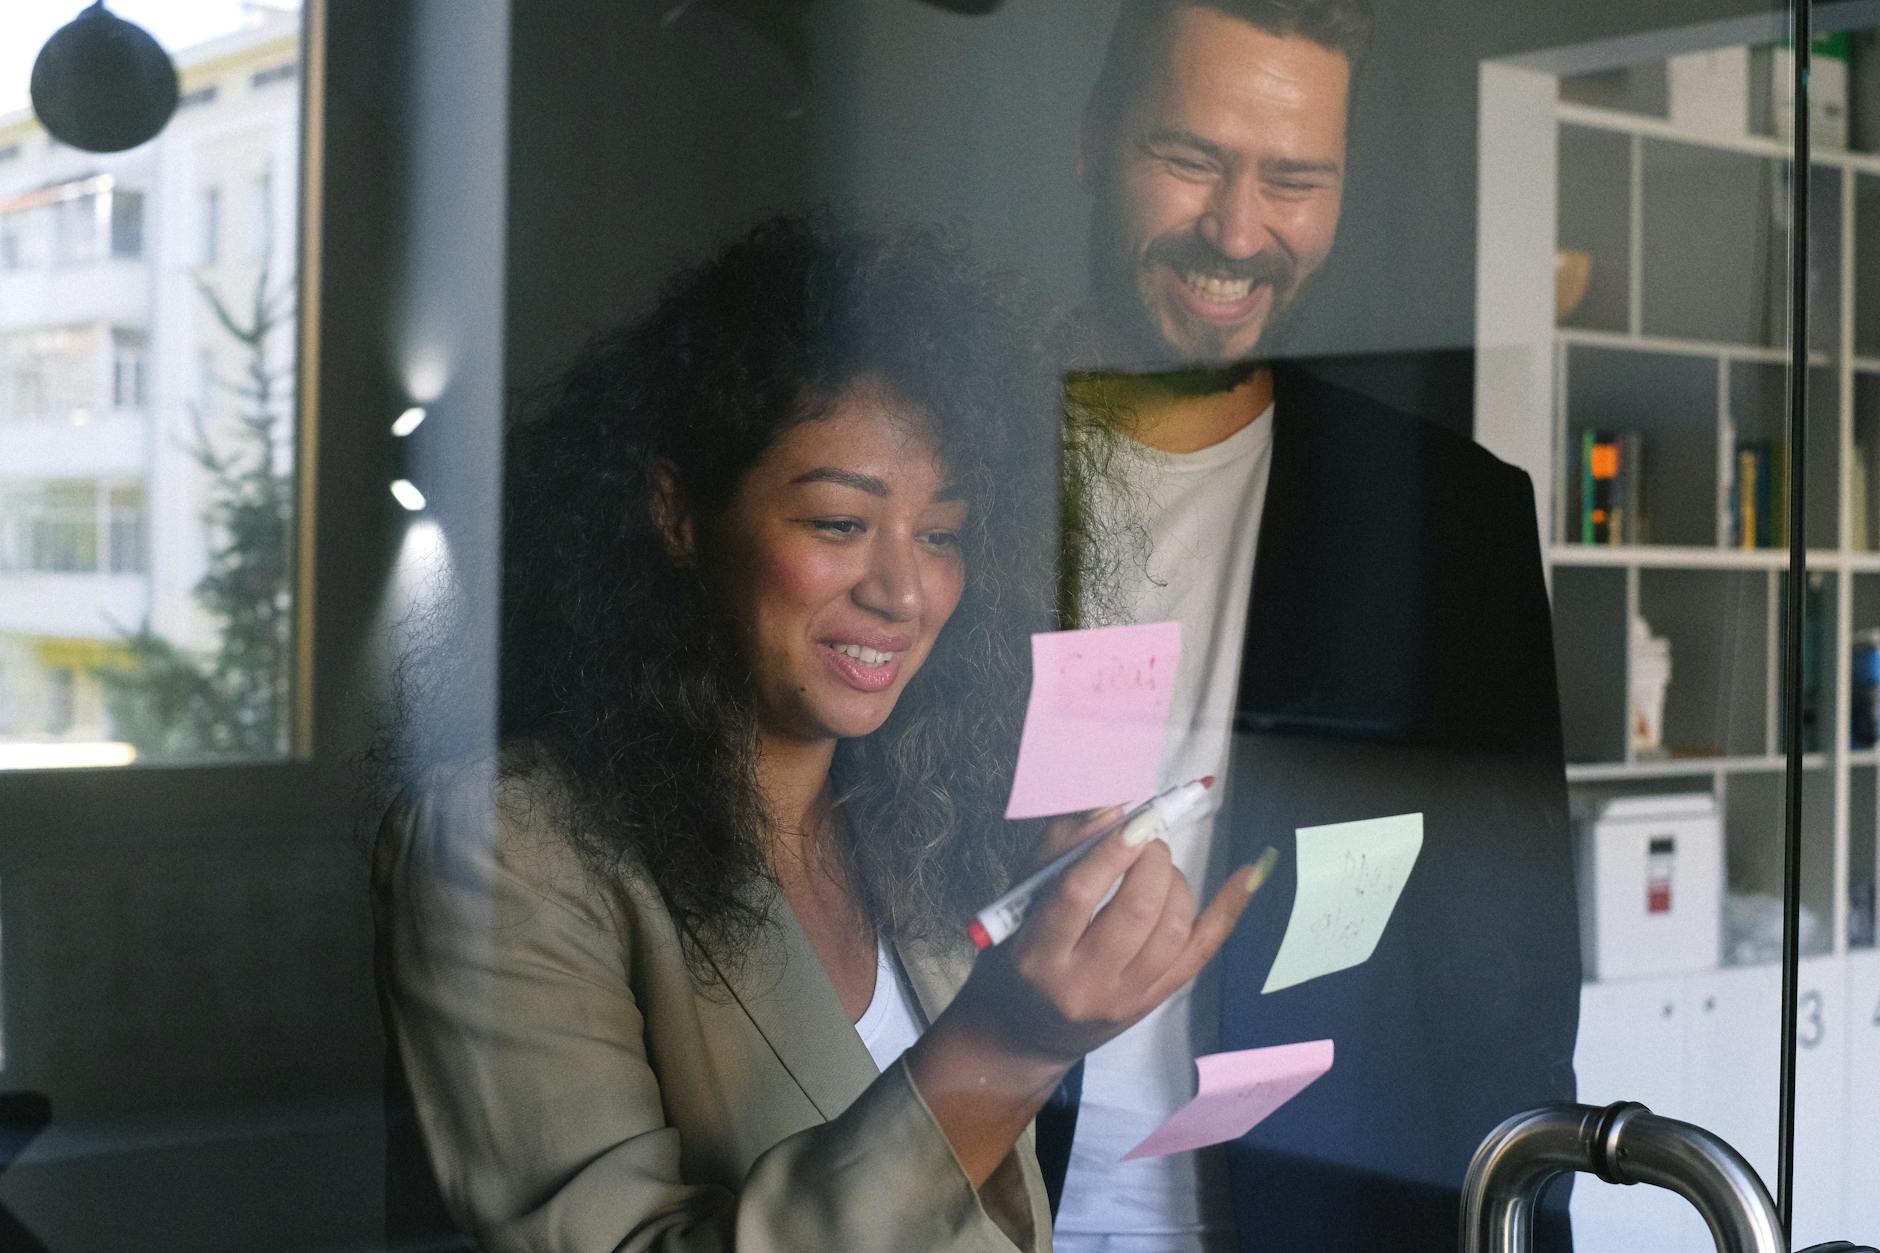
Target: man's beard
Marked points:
1132	340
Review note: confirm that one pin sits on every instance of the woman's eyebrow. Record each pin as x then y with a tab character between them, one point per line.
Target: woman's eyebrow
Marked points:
847	478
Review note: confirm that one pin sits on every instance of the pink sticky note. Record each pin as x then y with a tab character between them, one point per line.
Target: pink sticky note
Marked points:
1093	728
1238	1090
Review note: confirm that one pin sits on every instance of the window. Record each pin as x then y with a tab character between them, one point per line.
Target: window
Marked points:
50	374
75	235
61	530
61	699
127	224
284	72
135	311
125	531
261	217
129	368
25	232
211	224
73	527
22	391
89	216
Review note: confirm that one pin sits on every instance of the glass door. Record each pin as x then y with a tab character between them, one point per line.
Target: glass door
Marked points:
1683	619
1449	428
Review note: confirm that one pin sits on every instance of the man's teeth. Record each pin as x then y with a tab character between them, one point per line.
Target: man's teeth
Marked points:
1214	288
867	656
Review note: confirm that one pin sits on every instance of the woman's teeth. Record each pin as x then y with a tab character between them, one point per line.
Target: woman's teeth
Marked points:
867	656
1222	289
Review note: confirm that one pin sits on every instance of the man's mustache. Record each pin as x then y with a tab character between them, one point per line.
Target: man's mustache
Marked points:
1186	254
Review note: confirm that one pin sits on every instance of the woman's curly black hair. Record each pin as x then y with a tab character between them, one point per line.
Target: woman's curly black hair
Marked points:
619	675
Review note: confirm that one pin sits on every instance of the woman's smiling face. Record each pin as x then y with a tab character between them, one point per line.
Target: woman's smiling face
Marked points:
839	558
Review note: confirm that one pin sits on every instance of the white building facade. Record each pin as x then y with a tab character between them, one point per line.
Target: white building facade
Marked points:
110	357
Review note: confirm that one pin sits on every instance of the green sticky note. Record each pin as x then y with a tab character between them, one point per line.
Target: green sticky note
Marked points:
1350	876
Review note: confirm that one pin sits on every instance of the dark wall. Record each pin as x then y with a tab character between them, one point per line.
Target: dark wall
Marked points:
634	145
1406	265
195	1002
644	146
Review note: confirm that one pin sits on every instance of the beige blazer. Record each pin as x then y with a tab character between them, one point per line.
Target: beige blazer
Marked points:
577	1089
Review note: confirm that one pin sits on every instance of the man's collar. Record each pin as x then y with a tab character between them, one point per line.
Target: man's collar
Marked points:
1146	409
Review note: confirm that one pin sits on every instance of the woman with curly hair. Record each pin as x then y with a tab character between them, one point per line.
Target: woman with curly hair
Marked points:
681	968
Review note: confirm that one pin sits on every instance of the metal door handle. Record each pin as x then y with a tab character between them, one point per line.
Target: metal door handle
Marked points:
1622	1143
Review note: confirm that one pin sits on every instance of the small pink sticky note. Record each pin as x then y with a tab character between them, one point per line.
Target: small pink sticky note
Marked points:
1237	1091
1093	728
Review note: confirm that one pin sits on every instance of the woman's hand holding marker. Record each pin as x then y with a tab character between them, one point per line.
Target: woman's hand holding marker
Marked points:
1078	971
1145	822
1074	975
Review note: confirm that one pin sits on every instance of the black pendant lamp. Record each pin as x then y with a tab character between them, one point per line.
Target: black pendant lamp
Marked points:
103	84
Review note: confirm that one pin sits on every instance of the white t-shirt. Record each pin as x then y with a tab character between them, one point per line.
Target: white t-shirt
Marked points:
1201	513
890	1024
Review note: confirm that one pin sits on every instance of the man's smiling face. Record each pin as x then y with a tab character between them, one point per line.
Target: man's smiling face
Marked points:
1218	187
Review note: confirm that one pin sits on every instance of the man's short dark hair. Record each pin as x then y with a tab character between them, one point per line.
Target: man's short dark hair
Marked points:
1340	25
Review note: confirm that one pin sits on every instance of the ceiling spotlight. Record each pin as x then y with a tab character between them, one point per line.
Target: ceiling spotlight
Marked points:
408	421
407	494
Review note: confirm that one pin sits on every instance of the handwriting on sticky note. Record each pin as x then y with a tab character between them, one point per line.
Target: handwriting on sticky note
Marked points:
1093	726
1237	1091
1350	876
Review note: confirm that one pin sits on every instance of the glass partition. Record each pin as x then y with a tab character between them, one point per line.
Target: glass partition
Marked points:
1430	450
1673	377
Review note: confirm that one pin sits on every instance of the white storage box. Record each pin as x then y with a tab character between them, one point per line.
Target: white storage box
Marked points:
1651	886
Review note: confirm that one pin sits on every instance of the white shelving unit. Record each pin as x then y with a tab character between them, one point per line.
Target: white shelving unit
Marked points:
1702	1046
1631	573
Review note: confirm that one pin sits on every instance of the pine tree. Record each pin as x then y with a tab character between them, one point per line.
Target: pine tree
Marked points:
168	700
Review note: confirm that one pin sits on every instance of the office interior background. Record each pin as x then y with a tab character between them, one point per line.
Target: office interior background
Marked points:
1565	227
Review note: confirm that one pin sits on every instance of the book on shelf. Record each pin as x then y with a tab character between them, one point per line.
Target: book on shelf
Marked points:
1612	483
1858	508
1864	495
1828	75
1759	492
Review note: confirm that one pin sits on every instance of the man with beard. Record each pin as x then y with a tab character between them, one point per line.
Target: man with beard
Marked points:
1366	634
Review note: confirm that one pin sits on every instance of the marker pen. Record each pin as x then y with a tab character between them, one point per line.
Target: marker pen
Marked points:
996	922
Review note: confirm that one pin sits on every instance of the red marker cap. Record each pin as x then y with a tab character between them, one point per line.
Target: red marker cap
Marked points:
982	938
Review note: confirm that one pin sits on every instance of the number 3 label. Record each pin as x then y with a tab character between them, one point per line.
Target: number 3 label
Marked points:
1812	1028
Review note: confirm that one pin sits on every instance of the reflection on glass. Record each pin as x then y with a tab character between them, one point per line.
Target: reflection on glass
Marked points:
147	409
1668	375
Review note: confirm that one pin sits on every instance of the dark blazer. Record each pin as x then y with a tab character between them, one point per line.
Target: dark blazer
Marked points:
1399	658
